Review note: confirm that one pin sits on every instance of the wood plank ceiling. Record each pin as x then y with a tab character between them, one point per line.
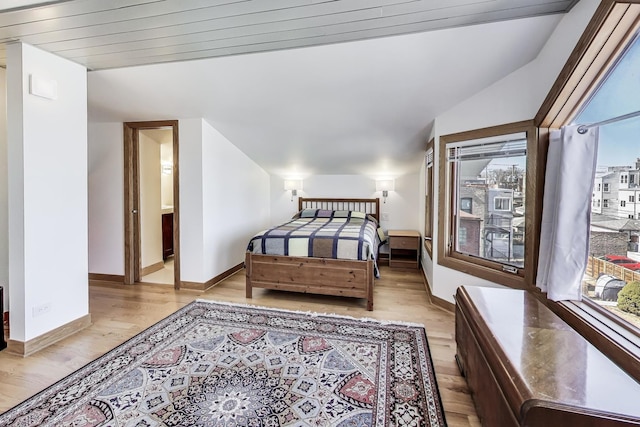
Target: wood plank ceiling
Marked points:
103	34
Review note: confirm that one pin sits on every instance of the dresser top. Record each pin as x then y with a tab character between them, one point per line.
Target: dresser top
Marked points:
403	233
555	363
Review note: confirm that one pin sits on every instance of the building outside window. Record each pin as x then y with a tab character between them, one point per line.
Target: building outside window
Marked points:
485	209
616	95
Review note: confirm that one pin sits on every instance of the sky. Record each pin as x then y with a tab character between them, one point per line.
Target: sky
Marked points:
619	94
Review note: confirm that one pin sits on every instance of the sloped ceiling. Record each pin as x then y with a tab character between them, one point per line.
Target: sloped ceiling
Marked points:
321	87
116	33
362	107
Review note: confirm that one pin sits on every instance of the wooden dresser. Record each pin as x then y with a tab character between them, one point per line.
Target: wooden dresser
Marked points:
527	367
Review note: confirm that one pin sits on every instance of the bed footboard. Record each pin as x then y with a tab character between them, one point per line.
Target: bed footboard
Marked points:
323	276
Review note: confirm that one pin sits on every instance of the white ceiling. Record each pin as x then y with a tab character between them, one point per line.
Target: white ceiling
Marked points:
351	108
322	87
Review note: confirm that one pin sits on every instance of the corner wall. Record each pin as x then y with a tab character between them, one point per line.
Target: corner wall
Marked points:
47	175
516	97
224	200
235	202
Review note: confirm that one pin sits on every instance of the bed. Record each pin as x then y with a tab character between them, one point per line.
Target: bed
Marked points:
317	274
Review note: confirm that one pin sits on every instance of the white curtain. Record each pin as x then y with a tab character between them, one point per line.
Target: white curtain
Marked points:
566	212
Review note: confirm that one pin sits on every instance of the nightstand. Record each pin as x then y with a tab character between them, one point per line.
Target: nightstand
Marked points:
404	249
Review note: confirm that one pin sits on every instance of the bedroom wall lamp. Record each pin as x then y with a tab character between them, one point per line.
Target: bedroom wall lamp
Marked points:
294	185
385	185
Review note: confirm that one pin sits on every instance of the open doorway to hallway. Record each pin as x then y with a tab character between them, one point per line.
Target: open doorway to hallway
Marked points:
155	154
151	203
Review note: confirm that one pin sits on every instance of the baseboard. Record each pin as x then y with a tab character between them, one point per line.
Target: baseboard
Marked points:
437	301
443	303
36	344
152	268
117	278
197	286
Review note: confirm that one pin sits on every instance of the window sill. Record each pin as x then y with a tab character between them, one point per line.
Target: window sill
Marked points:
474	267
621	343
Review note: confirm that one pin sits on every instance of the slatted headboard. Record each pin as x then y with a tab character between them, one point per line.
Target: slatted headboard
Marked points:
369	206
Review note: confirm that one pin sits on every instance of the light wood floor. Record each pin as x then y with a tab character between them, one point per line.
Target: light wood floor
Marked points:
119	312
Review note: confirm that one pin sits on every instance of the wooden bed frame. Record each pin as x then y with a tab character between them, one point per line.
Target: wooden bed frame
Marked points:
325	276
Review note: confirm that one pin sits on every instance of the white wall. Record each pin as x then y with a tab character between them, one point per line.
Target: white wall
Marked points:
150	202
224	200
191	213
47	170
516	97
235	203
106	198
402	206
166	157
4	226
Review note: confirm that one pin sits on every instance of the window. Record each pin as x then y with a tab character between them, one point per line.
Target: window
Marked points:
599	186
608	45
605	203
466	204
630	216
632	199
485	208
618	148
502	204
428	199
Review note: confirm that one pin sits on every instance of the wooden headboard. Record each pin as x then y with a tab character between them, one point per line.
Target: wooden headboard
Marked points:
369	206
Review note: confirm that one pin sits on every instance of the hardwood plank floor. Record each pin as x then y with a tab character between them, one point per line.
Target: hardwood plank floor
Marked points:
119	312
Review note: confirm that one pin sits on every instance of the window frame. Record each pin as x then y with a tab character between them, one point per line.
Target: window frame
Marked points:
516	277
428	198
612	27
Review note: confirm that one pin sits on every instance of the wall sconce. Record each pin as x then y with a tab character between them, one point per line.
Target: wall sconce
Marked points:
385	185
294	185
167	168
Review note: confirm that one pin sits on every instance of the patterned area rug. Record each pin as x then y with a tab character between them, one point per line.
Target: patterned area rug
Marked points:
213	364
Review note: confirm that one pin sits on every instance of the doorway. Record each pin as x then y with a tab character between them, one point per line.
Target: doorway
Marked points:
151	188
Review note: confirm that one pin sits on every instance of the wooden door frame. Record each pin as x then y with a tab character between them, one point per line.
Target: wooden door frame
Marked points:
132	240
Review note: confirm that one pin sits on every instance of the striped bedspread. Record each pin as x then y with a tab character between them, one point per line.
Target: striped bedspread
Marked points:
321	234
